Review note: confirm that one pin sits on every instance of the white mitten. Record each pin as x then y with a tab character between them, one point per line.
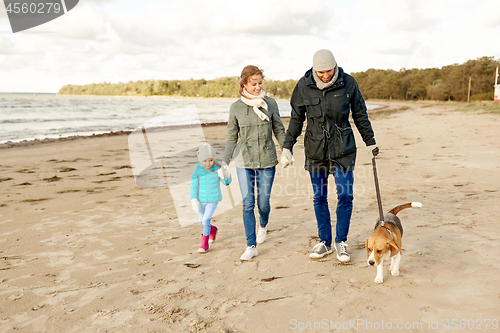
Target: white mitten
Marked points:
225	170
286	158
195	203
372	150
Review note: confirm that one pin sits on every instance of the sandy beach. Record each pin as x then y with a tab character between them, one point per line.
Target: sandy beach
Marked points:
84	249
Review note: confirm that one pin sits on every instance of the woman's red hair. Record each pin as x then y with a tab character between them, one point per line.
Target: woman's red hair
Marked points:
248	72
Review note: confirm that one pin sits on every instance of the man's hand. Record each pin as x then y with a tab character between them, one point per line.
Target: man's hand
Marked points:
372	150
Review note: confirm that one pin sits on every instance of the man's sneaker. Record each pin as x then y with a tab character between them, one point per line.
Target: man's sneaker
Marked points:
249	253
261	234
342	254
320	250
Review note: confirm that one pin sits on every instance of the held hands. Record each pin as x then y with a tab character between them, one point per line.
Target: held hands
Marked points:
195	203
286	158
224	171
372	150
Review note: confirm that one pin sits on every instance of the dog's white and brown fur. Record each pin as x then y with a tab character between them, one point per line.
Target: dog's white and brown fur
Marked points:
387	239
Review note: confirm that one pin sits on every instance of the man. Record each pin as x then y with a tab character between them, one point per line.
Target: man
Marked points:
326	95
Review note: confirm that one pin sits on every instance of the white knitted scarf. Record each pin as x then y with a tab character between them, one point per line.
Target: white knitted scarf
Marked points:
256	102
322	85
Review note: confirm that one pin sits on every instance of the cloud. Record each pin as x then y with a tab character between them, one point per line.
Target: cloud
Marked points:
197	38
133	30
202	18
395	34
5	45
488	13
87	21
152	39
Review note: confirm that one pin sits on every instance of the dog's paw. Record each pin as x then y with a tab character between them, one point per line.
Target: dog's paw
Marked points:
379	280
395	272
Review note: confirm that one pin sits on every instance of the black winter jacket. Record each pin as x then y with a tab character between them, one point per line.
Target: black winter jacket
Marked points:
328	139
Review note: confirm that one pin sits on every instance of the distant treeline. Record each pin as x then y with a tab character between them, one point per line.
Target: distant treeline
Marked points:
220	87
448	83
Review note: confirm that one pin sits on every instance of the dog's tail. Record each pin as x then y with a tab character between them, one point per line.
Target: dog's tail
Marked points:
399	208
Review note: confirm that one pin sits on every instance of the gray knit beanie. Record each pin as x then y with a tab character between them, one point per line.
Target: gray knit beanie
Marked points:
323	60
205	152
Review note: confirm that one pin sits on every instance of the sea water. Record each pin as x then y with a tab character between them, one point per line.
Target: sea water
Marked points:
40	116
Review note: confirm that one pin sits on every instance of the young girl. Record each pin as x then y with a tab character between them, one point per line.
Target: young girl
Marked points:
206	193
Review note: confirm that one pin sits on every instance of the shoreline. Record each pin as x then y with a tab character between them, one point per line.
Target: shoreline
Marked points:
169	97
152	96
33	142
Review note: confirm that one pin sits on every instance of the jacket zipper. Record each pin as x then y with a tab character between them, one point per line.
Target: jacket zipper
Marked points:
207	186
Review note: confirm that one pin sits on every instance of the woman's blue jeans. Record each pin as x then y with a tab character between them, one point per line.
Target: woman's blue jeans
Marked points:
205	212
249	180
344	183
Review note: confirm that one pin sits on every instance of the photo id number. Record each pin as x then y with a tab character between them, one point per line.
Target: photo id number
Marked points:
34	8
478	324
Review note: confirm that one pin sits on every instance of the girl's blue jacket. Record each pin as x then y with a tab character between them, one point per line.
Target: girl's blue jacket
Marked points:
205	185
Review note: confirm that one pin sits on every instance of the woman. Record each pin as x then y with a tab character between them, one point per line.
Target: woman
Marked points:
252	121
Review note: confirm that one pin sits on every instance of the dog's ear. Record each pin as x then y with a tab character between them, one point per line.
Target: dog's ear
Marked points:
366	244
392	244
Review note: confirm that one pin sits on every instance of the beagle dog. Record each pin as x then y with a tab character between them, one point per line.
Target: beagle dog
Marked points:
386	241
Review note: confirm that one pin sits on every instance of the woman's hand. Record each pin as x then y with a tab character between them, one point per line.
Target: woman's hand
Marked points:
224	171
286	158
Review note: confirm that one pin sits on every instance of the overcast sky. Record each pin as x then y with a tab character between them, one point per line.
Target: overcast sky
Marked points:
130	40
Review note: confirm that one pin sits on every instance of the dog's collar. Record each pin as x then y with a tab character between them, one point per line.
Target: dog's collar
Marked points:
383	226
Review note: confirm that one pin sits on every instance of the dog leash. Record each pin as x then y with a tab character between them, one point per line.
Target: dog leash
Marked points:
377	188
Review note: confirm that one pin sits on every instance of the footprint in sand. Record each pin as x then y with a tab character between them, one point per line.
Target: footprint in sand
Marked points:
66	169
52	179
15	297
25	171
